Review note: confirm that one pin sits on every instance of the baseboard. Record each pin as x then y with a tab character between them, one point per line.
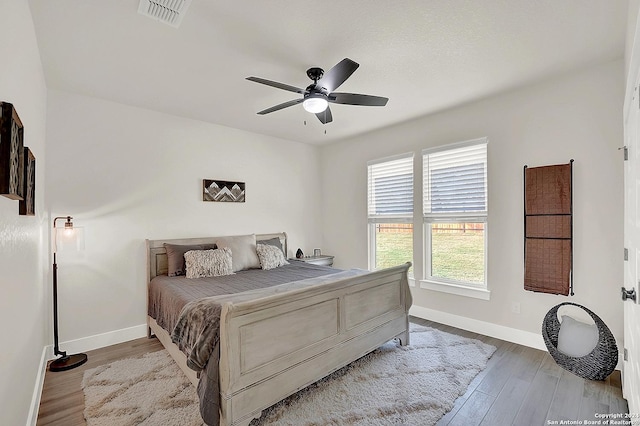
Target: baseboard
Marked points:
102	340
32	419
521	337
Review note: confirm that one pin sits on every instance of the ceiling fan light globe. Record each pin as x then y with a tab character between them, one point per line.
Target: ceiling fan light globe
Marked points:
315	105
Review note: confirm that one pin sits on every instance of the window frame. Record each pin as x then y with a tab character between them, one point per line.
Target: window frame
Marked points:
466	288
373	220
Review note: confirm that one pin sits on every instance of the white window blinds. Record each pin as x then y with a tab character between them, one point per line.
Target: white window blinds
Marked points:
390	188
455	179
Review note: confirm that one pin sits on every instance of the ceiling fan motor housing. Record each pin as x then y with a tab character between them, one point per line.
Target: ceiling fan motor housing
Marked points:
315	74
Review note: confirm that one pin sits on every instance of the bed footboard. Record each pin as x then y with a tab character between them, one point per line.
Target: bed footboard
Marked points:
272	347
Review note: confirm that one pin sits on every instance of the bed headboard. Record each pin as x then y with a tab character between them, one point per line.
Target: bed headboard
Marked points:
157	254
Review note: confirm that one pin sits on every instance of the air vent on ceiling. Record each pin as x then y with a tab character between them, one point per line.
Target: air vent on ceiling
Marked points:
168	11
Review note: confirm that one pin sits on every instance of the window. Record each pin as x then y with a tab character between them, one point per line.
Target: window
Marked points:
455	214
390	211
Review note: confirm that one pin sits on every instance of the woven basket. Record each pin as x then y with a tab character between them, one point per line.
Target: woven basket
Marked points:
598	364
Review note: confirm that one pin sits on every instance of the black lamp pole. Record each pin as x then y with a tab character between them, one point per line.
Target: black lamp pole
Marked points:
65	362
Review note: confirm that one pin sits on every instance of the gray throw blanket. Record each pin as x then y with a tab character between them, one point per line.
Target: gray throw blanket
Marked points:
197	335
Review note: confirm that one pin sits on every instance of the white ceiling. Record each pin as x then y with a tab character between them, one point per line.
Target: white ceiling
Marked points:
424	55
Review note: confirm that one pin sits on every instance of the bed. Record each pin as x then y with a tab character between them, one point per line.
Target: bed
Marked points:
275	341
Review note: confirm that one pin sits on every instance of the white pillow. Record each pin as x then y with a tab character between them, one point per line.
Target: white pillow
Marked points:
270	257
576	338
576	313
208	263
243	249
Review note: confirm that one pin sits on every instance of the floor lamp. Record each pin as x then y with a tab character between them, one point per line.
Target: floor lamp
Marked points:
71	239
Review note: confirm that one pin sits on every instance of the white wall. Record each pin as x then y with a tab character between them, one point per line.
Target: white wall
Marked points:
632	21
23	289
577	116
126	174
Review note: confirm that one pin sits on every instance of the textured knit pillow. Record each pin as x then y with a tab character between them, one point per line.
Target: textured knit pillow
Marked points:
577	338
271	257
208	263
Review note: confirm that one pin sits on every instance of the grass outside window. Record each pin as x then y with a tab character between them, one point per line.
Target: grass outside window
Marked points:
457	252
394	244
457	249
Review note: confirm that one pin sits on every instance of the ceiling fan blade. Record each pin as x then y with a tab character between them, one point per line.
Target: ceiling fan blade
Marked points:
357	99
325	116
337	75
277	85
280	106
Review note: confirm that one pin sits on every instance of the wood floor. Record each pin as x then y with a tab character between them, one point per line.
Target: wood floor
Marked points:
62	401
520	386
525	387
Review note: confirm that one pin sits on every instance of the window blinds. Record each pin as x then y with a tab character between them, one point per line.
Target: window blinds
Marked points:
390	188
455	180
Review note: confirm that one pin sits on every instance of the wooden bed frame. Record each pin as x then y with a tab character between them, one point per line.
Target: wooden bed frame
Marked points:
274	346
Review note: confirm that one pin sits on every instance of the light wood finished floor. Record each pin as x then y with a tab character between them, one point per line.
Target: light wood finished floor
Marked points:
62	400
520	386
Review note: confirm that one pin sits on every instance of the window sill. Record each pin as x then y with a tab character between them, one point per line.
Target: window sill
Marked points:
460	290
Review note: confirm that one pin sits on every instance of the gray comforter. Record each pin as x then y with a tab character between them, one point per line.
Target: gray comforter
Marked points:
168	295
190	310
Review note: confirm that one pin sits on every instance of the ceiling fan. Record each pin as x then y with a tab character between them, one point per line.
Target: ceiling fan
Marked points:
317	96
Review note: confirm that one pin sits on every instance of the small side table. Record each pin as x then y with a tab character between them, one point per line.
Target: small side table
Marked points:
322	260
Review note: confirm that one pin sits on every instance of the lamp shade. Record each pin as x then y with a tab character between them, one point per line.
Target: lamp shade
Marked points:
69	239
315	104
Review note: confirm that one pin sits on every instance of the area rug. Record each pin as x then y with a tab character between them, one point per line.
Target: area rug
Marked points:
410	385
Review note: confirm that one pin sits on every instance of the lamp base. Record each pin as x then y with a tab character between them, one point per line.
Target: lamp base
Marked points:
68	362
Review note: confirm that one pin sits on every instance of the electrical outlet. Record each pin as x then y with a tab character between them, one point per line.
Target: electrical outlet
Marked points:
515	307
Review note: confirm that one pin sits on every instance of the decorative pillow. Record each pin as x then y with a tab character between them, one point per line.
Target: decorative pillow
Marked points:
272	242
243	248
175	256
577	338
270	257
208	263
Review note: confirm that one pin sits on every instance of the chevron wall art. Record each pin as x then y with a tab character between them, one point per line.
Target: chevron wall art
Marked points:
223	191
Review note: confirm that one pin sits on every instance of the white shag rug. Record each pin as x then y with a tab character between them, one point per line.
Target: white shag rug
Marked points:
410	385
150	390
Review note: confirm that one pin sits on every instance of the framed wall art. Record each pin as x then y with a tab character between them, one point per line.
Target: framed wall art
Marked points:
28	203
11	153
223	191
